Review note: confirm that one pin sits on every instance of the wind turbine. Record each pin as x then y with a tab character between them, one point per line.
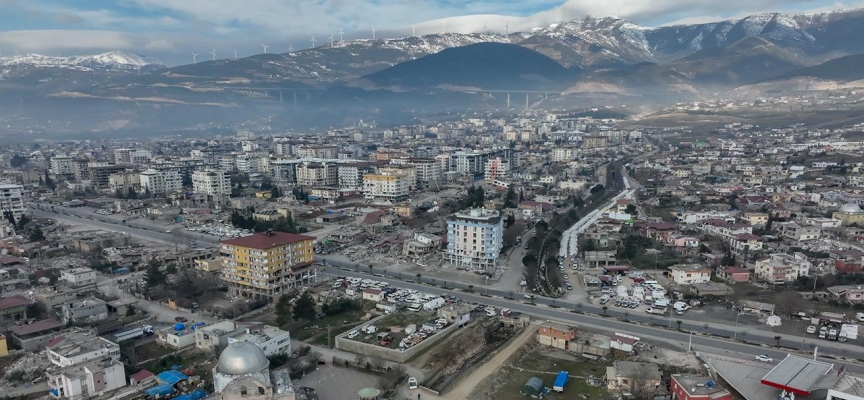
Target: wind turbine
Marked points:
413	30
235	54
340	36
290	48
507	29
194	58
213	53
313	41
373	33
444	27
265	48
331	40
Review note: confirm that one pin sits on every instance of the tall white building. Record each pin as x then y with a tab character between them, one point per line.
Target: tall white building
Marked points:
495	168
62	165
12	200
427	170
84	367
351	174
161	182
474	239
246	163
387	186
211	182
132	156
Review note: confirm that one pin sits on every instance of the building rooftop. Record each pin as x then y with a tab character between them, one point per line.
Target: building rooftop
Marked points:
477	214
258	335
800	375
14	301
36	327
267	240
76	344
700	385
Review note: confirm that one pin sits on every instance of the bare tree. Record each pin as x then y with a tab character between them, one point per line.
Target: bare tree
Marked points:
644	381
787	302
360	359
377	363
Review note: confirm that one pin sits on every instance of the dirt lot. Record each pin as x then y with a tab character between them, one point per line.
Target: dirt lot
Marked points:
531	360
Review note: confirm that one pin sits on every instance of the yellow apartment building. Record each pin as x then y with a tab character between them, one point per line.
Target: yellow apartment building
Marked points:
268	264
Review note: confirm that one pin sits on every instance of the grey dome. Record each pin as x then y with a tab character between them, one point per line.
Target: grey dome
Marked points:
850	208
241	358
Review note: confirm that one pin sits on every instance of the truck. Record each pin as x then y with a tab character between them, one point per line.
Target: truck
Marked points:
109	326
134	333
560	381
604	299
653	310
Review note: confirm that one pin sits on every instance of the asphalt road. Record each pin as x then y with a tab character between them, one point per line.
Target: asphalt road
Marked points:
590	315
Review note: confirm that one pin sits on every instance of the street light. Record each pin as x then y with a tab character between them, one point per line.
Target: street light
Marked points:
735	337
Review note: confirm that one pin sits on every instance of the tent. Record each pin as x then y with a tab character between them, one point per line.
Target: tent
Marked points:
171	376
534	387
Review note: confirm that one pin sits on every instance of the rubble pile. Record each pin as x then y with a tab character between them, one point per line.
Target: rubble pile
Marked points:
30	366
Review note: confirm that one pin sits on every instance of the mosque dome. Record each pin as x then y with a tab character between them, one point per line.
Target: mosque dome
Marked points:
850	208
241	358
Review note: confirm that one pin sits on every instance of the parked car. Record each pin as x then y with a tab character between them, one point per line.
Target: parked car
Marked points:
811	329
412	383
764	358
180	319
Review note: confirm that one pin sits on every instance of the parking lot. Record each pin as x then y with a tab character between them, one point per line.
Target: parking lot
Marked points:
642	296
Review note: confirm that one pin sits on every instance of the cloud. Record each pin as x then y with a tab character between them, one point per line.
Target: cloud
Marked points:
160	46
43	40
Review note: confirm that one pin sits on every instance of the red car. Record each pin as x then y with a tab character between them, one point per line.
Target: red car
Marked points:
180	319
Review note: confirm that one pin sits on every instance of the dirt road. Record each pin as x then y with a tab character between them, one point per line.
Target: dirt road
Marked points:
468	383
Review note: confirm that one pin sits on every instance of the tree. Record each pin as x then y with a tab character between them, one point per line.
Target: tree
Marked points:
186	180
510	198
529	260
283	310
605	308
728	260
275	193
132	194
360	359
631	209
130	310
155	276
304	308
470	288
48	181
777	339
37	235
788	301
598	190
679	322
419	276
17	161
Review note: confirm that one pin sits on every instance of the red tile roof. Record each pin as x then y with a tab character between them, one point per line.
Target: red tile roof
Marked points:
14	301
36	327
616	338
372	291
373	217
265	240
141	375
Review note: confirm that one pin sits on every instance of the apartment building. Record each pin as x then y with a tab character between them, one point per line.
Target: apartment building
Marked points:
123	181
563	154
689	274
161	182
132	156
781	268
328	152
317	174
99	173
391	186
428	170
474	239
495	169
62	165
84	367
350	175
594	142
799	232
268	264
407	170
12	200
211	182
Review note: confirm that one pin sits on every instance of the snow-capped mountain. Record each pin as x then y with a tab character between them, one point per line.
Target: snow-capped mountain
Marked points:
114	60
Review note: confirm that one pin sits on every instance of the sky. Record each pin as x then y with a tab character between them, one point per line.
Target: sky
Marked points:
169	30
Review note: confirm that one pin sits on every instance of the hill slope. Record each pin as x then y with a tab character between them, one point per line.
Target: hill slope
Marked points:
491	66
843	69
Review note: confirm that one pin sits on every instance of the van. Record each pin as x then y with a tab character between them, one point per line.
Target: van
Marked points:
353	334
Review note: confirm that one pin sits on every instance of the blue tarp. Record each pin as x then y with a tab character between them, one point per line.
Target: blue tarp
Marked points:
171	377
161	390
196	394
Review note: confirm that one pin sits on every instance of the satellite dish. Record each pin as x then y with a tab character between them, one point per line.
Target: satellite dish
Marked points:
774	321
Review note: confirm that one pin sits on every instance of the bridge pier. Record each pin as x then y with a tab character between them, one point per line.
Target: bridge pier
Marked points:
508	100
295	99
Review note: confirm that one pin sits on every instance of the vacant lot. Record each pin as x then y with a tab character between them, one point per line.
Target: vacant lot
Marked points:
544	363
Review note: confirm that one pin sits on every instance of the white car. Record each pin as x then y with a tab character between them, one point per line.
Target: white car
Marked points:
412	383
764	358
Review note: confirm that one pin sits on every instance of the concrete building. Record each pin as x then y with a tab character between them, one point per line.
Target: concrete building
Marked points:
849	214
690	387
132	156
393	186
781	268
688	274
268	264
595	142
88	380
215	336
84	311
161	182
428	170
317	174
211	182
123	181
350	175
269	339
421	243
76	350
4	347
99	173
80	276
176	339
13	309
799	232
495	169
62	165
474	239
640	379
328	152
556	335
12	200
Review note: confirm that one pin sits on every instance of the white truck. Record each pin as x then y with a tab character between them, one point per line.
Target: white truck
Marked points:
134	333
